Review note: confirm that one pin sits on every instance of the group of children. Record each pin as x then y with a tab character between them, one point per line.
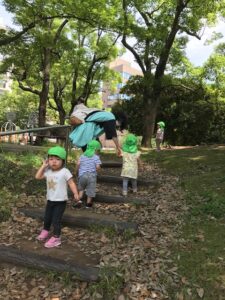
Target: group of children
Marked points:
58	178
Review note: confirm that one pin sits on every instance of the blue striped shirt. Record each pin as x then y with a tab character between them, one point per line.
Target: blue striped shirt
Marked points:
88	164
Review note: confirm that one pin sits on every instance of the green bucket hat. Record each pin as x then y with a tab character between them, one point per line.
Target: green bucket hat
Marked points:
161	124
130	144
92	146
58	151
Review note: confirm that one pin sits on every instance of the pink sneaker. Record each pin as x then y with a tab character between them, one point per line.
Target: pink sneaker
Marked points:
53	242
43	235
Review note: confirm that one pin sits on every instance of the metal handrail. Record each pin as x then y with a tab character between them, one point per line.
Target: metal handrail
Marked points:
67	127
33	130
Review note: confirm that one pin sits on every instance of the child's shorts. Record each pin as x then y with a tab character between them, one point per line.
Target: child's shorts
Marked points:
87	182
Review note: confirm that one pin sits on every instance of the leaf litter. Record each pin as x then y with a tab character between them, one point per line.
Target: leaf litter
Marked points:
144	259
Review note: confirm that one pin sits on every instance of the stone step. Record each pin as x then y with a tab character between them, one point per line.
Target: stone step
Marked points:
60	259
111	164
84	219
119	180
119	199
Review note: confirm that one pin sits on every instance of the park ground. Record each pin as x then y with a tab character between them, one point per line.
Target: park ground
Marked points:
178	253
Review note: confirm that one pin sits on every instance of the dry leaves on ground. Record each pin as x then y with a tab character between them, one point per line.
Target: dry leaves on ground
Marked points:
144	259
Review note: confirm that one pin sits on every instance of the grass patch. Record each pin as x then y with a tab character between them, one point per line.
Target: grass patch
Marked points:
200	251
109	231
111	282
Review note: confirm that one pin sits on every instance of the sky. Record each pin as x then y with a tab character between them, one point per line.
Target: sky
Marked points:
196	51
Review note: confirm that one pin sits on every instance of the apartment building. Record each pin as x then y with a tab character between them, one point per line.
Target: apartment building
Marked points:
126	70
5	79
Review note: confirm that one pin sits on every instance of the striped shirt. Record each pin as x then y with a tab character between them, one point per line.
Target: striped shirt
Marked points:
88	164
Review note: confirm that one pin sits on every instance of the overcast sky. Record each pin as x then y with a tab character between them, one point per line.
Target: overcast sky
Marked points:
196	51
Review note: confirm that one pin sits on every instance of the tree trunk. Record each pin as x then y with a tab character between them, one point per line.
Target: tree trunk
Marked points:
149	125
45	87
44	92
151	98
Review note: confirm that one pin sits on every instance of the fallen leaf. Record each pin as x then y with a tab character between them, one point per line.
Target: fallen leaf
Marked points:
200	292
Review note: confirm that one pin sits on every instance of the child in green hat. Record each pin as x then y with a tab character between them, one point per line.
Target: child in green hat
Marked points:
88	165
131	160
58	178
159	135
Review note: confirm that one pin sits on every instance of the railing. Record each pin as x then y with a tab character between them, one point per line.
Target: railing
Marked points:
66	127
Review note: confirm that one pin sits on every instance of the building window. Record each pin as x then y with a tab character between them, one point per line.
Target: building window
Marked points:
125	75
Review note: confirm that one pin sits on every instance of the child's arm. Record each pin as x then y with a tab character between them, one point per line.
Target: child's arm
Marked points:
41	170
73	188
98	168
98	163
77	167
140	163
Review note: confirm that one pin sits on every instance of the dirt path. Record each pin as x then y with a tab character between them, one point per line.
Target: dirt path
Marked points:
143	260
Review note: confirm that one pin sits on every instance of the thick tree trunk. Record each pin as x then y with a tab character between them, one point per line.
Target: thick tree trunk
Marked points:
149	123
44	92
151	99
45	87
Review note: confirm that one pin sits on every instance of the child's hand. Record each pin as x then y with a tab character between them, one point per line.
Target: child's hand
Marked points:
119	152
76	196
45	163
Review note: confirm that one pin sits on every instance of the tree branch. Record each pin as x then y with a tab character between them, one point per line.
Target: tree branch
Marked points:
124	41
184	29
14	38
28	89
57	35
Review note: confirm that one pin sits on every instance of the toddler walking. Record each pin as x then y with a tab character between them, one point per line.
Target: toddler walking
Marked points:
87	166
131	160
159	135
57	178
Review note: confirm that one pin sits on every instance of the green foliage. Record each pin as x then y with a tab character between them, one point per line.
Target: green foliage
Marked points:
110	232
6	204
20	102
198	251
19	168
134	107
128	234
187	112
211	204
191	113
60	60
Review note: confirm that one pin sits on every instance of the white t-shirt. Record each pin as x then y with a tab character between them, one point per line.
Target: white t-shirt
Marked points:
81	111
160	134
57	184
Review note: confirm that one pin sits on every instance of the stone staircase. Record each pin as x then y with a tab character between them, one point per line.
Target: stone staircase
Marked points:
67	258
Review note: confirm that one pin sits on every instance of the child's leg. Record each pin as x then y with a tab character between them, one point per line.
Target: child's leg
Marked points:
48	215
134	185
89	202
158	142
81	194
47	222
59	209
125	185
81	187
91	189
